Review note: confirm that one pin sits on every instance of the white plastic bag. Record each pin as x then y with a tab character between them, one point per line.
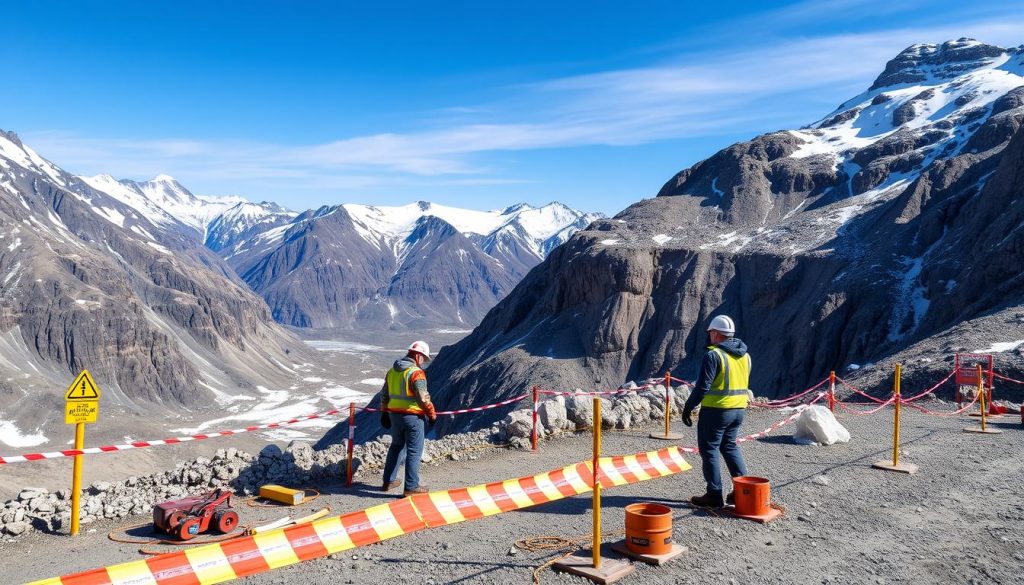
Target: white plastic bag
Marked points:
817	425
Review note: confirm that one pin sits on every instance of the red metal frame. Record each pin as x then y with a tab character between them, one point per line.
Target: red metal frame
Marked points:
966	373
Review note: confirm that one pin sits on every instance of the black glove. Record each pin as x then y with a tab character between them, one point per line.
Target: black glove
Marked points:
686	418
385	420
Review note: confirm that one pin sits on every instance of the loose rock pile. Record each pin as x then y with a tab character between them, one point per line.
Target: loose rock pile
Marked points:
568	413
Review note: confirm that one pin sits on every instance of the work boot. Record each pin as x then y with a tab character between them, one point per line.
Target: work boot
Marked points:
416	490
708	500
731	498
388	486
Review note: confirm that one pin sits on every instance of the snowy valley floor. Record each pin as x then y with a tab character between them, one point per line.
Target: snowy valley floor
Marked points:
959	520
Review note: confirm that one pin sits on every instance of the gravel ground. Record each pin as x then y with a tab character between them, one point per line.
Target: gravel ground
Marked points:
960	519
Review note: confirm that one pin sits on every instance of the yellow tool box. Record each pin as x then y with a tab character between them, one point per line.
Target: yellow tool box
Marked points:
282	494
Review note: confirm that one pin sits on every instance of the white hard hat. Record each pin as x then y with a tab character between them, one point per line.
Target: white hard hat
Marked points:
723	324
421	347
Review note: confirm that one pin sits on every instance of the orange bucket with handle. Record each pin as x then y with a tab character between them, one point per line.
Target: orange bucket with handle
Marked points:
753	495
649	528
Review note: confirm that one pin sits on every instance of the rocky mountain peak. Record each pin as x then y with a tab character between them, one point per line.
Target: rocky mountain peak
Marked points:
924	62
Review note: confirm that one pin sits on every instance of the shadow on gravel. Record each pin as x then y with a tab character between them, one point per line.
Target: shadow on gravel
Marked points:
1005	424
778	440
490	567
581	504
873	455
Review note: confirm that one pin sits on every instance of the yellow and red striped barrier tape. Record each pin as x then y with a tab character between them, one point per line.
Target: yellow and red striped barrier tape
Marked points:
224	561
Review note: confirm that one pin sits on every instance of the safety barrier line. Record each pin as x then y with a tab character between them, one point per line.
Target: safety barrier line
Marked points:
464	410
794	397
858	391
954	413
154	443
799	410
1002	377
596	393
225	561
882	405
202	436
930	390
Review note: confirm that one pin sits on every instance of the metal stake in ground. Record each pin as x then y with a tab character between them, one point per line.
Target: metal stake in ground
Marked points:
832	391
669	435
895	464
591	565
983	429
351	442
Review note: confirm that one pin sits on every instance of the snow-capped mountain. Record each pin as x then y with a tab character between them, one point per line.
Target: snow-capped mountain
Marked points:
244	220
421	264
110	283
164	201
876	233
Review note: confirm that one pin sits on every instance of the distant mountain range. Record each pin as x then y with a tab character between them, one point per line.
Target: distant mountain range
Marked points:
418	265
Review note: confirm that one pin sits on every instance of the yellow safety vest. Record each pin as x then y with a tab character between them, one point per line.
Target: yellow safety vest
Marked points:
729	388
401	395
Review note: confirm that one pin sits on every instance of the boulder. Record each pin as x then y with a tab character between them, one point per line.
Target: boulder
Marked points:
15	528
519	424
580	410
553	415
817	425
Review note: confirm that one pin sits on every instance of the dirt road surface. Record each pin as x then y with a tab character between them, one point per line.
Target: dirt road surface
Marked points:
959	520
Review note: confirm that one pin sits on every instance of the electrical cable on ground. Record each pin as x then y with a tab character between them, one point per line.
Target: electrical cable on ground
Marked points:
567	546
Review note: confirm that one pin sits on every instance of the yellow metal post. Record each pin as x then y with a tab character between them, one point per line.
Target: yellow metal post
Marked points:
981	397
76	478
597	484
668	405
896	418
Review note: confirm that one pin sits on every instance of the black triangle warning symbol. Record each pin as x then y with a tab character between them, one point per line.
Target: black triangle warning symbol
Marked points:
83	388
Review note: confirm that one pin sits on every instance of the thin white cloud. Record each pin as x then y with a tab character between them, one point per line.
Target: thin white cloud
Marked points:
723	92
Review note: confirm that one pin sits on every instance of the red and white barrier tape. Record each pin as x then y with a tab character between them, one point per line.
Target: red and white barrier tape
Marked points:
954	413
154	443
680	380
597	393
465	410
858	391
799	410
872	411
930	390
1002	377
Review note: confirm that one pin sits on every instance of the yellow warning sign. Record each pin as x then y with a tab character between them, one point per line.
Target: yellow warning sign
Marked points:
81	412
83	389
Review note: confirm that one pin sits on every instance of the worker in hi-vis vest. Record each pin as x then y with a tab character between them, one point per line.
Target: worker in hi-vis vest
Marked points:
721	391
405	408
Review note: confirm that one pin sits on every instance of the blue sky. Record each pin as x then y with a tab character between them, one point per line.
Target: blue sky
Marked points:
474	104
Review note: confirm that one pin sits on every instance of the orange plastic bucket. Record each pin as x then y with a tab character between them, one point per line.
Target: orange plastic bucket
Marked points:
753	495
649	528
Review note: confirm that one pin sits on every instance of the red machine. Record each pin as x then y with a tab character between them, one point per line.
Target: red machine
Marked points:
187	517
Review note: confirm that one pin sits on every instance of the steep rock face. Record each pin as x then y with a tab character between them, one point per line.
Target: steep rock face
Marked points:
319	273
92	283
840	243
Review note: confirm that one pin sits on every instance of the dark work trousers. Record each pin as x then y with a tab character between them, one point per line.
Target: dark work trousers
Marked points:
716	431
407	432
